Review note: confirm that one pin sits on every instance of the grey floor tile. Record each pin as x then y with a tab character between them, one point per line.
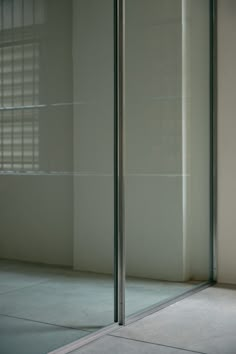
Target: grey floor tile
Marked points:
25	337
205	322
74	299
84	302
143	293
108	345
14	276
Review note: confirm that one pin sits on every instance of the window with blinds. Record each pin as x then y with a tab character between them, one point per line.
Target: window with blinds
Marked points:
19	115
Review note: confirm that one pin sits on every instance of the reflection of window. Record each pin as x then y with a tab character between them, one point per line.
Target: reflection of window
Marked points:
19	126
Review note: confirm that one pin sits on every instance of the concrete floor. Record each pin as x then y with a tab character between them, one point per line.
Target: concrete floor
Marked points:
43	308
203	323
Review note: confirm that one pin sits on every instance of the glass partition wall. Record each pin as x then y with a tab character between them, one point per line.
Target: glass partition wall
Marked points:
105	163
56	179
167	149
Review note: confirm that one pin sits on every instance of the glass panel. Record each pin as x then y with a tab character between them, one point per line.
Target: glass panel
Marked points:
56	172
166	150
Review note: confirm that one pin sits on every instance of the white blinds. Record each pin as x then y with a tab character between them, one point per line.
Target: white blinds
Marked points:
19	125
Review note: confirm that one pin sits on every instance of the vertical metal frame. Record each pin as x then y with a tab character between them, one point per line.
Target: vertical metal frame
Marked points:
115	162
213	140
119	205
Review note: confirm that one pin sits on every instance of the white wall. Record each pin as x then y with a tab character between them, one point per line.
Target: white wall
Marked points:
93	134
167	136
153	139
157	246
196	75
36	212
226	243
69	220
